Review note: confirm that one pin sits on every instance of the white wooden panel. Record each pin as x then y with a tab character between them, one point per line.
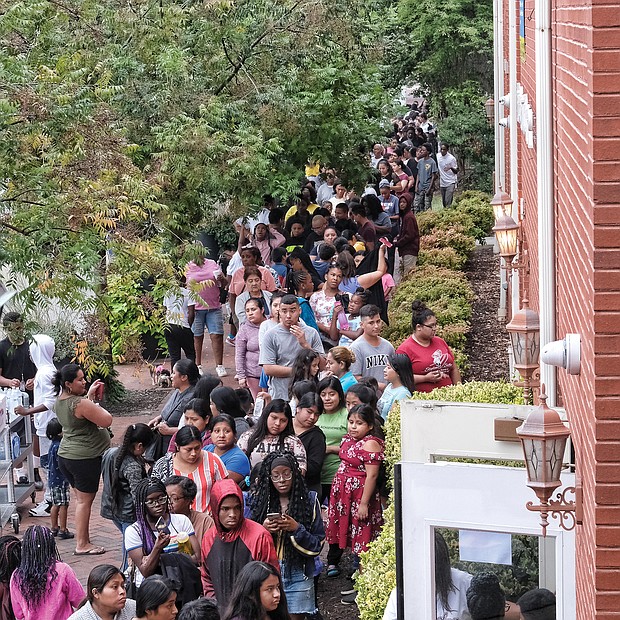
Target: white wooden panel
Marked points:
437	428
477	497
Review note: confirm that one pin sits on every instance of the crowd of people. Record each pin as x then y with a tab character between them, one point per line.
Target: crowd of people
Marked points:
225	500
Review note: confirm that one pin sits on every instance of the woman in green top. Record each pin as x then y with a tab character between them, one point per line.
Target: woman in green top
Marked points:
333	423
85	437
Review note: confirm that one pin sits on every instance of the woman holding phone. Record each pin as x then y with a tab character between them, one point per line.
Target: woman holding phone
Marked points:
156	531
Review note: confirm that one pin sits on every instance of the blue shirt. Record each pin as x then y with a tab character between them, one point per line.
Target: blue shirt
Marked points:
54	475
347	380
235	460
389	396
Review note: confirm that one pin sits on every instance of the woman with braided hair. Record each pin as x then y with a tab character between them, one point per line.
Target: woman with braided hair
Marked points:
10	557
282	503
43	587
156	530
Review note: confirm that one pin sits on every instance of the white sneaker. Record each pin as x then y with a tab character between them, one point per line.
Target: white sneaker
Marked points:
221	371
41	510
200	371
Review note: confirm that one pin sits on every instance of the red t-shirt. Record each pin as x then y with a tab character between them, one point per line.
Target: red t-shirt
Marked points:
437	355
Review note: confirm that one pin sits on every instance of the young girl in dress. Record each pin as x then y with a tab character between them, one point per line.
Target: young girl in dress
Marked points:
43	587
355	516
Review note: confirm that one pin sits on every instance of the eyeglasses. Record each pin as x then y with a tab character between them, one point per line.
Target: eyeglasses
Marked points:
151	503
282	478
433	326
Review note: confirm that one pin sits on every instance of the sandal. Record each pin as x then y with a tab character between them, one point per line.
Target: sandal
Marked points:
65	534
91	551
55	531
332	571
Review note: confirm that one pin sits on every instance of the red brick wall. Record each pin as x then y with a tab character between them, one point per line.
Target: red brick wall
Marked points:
586	140
574	259
605	72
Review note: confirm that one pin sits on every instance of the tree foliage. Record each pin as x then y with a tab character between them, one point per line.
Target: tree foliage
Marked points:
448	42
125	123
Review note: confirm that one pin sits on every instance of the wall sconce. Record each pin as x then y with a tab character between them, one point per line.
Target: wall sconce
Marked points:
501	203
543	436
489	110
524	330
506	232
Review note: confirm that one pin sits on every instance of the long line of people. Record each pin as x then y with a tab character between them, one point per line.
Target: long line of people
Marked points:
232	493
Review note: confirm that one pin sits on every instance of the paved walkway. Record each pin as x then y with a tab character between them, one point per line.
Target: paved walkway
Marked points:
103	532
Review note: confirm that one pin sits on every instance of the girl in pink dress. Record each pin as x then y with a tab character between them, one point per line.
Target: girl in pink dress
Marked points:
355	515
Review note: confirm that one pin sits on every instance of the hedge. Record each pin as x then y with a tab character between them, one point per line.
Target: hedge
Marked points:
378	577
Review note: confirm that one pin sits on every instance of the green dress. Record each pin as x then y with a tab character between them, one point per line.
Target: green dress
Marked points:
334	425
81	438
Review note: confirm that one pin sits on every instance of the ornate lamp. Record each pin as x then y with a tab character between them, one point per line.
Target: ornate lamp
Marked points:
544	435
506	230
524	330
501	203
489	110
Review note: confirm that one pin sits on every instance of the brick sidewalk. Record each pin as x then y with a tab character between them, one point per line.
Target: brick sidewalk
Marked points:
103	532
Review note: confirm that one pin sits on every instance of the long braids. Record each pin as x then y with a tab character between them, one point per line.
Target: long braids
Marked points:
38	562
10	557
143	490
266	499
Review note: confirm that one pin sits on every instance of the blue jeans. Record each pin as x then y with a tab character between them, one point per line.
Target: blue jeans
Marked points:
122	526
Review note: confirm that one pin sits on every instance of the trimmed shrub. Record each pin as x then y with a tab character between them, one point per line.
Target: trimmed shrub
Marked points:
441	257
477	206
378	577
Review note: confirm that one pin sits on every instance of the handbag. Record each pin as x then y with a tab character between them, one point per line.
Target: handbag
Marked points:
156	450
130	581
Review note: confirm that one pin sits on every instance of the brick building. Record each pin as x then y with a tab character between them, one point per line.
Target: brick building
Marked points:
557	103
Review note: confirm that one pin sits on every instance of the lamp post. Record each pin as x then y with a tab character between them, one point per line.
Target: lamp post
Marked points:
543	436
501	203
524	330
489	110
506	232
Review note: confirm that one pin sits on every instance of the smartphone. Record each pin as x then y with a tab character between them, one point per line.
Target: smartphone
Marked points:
99	391
386	242
161	526
273	516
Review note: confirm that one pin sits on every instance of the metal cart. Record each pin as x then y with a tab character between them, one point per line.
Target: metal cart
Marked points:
12	494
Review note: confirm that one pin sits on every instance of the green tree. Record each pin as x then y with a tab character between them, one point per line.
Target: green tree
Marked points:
125	125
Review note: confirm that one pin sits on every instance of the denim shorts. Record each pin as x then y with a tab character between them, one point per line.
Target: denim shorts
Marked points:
212	320
299	590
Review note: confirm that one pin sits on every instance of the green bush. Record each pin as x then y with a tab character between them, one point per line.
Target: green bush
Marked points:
378	577
454	237
477	206
432	221
445	257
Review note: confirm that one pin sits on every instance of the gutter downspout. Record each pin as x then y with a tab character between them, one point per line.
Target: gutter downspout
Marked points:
544	170
514	151
500	160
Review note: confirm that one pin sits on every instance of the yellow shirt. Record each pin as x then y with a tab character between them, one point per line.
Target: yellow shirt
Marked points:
293	210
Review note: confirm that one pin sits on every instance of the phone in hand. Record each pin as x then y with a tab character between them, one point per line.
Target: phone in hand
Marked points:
161	526
273	516
99	391
386	242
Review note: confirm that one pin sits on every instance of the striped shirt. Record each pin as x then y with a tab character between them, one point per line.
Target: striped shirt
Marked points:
210	470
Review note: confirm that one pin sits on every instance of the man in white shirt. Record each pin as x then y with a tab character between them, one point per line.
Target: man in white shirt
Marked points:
448	168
